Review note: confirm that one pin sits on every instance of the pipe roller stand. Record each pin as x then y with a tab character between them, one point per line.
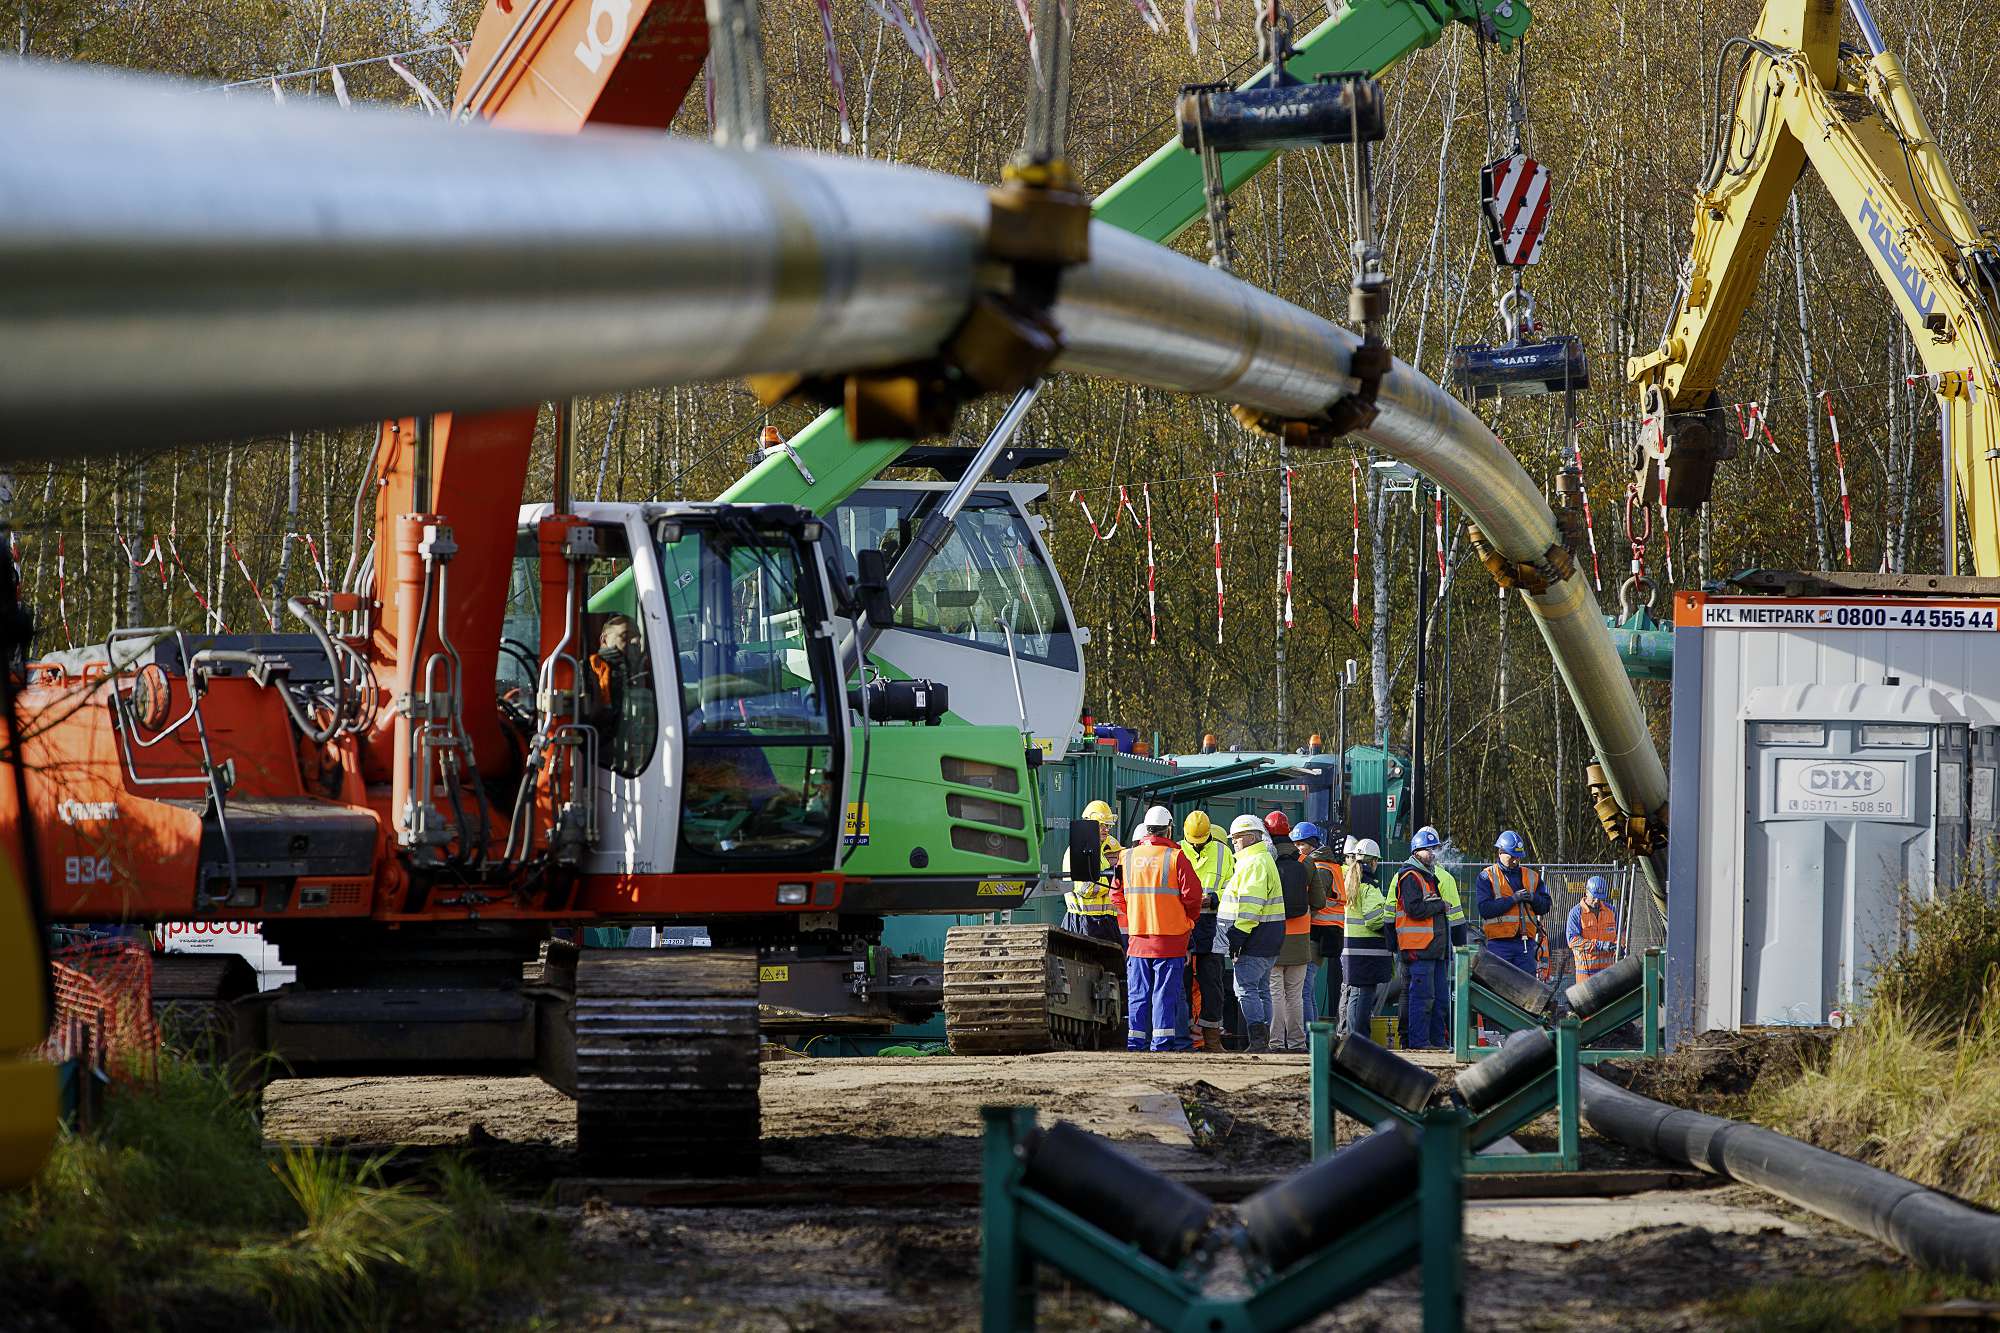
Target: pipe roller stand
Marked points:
1069	1199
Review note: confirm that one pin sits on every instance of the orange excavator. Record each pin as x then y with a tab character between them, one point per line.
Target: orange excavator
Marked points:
511	718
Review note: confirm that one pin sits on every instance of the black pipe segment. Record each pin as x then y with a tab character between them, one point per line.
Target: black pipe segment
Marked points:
1613	983
1126	1199
1385	1073
1511	984
1933	1229
1527	1056
1336	1195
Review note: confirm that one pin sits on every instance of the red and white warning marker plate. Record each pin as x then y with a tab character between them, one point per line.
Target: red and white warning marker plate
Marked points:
1515	193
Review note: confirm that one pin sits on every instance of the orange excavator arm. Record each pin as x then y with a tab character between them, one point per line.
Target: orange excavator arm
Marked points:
552	66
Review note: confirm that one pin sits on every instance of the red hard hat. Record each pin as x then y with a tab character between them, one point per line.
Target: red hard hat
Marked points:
1277	825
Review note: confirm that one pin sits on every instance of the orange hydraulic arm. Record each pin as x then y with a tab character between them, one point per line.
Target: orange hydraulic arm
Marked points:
552	66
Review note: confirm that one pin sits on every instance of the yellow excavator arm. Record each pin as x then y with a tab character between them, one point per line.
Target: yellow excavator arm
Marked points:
1803	98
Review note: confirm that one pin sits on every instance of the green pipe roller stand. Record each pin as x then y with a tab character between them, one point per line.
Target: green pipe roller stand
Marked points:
1068	1199
1629	991
1352	1076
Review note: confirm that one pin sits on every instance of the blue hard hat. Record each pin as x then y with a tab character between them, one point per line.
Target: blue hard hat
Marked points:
1597	885
1510	843
1426	839
1305	832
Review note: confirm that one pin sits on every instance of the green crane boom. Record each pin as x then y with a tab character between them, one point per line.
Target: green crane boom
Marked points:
1158	199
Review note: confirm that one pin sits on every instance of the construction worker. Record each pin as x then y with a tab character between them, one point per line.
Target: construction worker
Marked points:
1306	837
1157	900
1252	918
1592	930
1366	962
1212	861
1087	904
1422	940
1511	900
1323	984
1295	954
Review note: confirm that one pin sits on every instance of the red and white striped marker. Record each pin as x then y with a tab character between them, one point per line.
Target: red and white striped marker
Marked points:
1438	518
1102	534
1840	467
1287	579
1152	605
1589	524
62	593
255	591
1215	499
1515	191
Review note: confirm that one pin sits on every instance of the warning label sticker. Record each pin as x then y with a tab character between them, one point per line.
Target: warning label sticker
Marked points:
1762	614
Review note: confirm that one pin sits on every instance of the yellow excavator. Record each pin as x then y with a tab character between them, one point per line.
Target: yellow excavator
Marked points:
1802	96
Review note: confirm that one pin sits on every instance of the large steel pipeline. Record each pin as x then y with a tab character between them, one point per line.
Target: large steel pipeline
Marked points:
177	266
1929	1227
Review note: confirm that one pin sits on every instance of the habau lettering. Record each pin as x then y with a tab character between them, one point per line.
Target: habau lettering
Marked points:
1907	274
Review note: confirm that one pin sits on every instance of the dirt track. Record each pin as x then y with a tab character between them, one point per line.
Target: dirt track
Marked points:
1644	1262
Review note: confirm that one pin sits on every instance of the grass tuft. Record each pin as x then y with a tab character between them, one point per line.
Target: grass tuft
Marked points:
1873	1302
173	1215
1914	1087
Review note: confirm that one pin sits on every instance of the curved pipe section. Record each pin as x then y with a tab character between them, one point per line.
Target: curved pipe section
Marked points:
173	265
1936	1231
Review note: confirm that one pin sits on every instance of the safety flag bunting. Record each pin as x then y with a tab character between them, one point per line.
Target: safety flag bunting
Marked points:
1589	525
1102	534
1354	498
1152	603
834	70
312	549
62	593
1286	573
1840	467
1754	421
248	578
173	549
1215	499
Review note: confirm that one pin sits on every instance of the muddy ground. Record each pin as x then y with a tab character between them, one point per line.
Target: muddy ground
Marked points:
1647	1261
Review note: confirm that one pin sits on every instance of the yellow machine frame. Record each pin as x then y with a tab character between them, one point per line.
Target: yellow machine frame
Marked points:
1800	98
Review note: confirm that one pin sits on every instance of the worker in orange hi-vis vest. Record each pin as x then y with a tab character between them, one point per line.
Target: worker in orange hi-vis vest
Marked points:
1158	899
1511	900
1593	930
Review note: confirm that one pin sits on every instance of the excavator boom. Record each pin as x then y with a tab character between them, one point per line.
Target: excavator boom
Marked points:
1803	101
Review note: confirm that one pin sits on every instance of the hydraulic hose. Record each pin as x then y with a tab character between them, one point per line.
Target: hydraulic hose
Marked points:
1931	1228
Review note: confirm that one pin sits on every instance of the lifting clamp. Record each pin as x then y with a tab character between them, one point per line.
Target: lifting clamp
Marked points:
1283	112
1038	224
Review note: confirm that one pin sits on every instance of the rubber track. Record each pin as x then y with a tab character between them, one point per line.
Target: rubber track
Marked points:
1000	981
666	1060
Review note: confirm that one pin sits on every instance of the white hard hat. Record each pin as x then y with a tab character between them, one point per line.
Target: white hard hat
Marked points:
1368	847
1159	817
1138	832
1245	824
1348	848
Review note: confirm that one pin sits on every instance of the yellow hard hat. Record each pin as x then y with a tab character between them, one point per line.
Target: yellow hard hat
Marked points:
1099	811
1196	826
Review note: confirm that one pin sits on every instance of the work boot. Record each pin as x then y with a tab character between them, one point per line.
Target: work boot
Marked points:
1259	1039
1209	1040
